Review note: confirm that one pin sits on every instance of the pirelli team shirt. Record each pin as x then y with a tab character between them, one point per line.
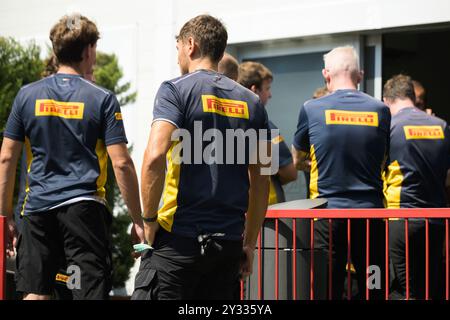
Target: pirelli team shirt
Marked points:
276	193
419	160
66	123
346	135
199	195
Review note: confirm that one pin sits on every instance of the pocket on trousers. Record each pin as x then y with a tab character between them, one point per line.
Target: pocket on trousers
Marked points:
145	285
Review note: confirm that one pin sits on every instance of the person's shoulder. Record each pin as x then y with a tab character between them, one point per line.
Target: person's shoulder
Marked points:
376	103
312	105
183	80
34	86
246	93
436	119
95	88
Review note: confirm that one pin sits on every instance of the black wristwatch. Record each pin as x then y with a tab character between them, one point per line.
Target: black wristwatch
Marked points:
152	219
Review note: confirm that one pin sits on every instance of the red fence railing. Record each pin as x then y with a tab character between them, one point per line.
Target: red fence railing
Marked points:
2	257
330	214
274	215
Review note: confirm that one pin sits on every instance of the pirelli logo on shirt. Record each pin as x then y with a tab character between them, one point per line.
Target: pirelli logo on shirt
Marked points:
355	118
423	132
225	107
118	116
52	108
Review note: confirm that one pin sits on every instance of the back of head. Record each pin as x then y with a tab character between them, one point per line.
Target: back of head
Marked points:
51	66
229	66
70	36
253	73
420	93
399	87
343	62
208	33
320	92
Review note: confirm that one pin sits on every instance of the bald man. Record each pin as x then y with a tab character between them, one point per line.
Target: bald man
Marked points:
343	139
229	66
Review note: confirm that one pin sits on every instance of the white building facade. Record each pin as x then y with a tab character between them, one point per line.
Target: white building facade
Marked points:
289	36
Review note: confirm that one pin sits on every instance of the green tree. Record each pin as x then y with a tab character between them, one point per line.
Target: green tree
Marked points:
108	74
19	65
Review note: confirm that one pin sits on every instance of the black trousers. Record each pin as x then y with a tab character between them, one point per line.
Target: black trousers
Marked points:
397	251
176	270
358	254
78	234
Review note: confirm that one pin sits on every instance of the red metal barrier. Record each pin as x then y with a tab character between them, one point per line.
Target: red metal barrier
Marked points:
367	214
2	257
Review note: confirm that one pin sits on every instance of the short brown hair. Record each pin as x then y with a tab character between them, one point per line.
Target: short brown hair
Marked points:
51	66
320	92
229	66
399	87
209	34
253	73
71	35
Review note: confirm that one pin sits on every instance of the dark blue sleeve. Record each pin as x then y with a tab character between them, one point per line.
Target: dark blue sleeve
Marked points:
387	122
285	153
168	106
14	126
264	123
301	137
113	129
447	137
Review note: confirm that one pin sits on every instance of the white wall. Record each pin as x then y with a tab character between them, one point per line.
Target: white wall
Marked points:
142	32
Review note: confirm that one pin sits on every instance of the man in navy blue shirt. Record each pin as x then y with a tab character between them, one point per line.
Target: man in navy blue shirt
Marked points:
419	158
69	127
343	139
202	234
258	78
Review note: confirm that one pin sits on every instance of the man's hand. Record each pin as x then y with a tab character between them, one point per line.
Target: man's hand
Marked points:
247	263
137	233
11	238
137	236
150	229
301	160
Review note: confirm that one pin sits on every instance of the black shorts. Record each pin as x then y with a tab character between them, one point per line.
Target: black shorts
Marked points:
175	270
77	234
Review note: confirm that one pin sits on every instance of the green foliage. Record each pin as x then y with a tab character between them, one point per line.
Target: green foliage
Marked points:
107	74
19	65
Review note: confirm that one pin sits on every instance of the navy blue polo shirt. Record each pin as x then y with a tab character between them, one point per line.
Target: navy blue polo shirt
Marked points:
346	134
66	123
200	195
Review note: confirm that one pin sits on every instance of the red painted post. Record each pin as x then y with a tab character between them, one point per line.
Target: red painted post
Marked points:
294	262
2	257
242	290
276	259
427	261
311	270
367	256
259	267
386	266
407	257
349	247
447	262
330	259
